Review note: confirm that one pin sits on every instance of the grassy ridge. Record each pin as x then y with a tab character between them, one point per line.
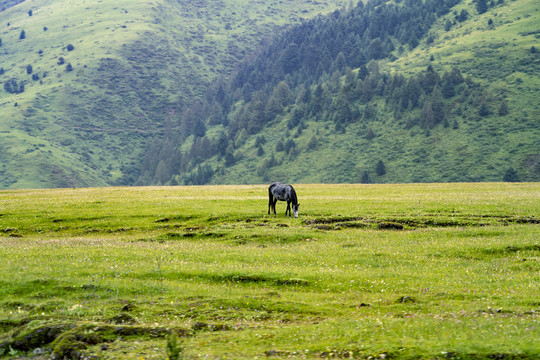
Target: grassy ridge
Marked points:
407	271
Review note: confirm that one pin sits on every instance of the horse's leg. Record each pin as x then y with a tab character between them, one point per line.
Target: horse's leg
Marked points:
288	208
274	205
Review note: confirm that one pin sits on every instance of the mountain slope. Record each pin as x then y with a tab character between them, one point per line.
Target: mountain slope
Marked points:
102	78
453	96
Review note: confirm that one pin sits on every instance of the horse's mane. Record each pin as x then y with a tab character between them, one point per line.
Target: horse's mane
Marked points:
294	198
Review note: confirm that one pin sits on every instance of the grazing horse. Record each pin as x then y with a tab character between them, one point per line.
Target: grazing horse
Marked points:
278	191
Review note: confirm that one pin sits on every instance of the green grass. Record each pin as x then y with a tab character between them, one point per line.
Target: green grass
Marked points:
382	271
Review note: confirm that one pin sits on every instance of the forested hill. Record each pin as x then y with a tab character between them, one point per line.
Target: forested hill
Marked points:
85	85
407	91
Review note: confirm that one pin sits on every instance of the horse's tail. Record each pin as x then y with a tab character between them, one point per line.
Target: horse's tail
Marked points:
271	199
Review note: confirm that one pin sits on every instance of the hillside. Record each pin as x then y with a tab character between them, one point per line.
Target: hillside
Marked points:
432	91
85	85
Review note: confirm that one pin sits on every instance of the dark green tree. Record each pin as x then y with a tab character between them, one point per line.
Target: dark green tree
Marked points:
463	15
290	145
199	129
380	169
260	150
229	156
313	143
14	87
427	119
481	6
503	109
22	35
317	100
447	25
370	134
365	178
484	110
447	90
511	175
342	111
431	78
437	104
280	146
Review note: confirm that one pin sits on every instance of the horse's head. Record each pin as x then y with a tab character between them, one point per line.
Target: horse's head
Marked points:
295	210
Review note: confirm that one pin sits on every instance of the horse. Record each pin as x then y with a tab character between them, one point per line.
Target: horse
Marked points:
281	192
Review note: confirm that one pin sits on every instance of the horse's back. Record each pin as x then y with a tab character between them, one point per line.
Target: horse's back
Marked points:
280	191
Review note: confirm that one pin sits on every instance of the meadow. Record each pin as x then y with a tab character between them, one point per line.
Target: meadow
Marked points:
410	271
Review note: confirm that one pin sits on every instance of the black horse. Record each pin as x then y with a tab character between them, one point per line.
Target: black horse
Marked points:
278	191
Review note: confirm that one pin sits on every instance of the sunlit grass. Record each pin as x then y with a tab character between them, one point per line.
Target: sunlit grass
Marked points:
456	273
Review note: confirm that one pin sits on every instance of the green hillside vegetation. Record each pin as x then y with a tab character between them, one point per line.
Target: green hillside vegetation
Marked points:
407	271
451	96
85	85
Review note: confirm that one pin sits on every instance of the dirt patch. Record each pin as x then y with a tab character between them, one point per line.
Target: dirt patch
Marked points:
408	223
406	300
174	218
330	220
511	249
190	233
202	326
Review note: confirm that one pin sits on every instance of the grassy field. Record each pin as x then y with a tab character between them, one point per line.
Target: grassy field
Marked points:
367	271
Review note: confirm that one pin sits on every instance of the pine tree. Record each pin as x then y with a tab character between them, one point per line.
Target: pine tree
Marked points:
365	179
511	175
503	109
380	169
313	143
427	120
481	6
484	110
260	150
229	156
